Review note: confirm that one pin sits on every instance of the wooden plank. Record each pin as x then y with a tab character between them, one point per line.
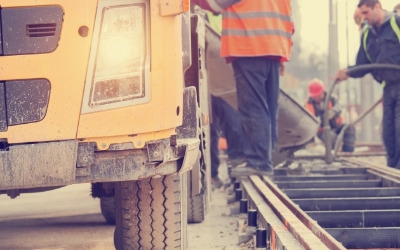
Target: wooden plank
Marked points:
283	237
310	235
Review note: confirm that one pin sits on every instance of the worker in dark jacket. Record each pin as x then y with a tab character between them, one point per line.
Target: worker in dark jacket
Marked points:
226	123
380	43
315	105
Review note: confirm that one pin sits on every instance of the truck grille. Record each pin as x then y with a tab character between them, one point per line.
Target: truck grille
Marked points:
41	30
30	30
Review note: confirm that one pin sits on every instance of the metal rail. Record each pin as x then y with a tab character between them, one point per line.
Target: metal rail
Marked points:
348	205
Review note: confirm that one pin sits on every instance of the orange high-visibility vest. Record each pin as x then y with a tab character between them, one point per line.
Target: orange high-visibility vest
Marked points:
257	28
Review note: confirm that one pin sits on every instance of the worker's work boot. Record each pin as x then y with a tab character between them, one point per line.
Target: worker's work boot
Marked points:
247	170
232	163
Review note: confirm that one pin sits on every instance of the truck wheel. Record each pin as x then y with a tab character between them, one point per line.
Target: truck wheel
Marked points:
107	207
149	213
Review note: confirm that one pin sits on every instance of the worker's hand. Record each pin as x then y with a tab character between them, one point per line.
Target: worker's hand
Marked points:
331	114
342	75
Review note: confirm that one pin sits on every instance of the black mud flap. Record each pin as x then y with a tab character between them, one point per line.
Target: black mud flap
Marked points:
188	129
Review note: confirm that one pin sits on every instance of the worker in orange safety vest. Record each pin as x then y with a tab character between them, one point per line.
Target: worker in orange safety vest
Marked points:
256	38
315	105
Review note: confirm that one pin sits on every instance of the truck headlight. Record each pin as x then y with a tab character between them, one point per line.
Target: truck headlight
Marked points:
118	70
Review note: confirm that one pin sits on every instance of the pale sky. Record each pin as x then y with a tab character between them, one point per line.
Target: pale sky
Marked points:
315	25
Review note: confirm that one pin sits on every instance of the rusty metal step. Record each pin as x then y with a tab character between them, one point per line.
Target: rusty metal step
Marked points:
357	218
357	206
329	184
286	231
367	238
321	177
358	209
341	192
363	203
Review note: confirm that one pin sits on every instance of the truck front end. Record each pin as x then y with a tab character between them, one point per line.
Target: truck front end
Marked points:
94	91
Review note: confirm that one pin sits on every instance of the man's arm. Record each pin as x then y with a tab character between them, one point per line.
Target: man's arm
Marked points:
203	4
361	59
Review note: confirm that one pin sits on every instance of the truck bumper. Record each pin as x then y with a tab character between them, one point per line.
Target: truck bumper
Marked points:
68	162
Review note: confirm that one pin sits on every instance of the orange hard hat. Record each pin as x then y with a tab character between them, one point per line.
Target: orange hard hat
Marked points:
315	88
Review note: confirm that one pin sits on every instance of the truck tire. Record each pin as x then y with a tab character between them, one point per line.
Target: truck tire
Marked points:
149	213
107	207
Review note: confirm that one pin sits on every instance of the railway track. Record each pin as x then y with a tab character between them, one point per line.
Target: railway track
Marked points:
353	203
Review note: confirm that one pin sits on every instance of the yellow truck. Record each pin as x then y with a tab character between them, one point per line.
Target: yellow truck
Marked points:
113	93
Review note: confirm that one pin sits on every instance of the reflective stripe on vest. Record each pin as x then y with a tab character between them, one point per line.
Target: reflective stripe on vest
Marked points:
257	28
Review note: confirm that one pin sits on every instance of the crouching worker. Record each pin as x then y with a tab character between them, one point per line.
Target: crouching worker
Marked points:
315	105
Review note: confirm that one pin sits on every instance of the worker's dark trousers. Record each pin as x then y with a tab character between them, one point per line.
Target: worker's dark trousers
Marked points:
257	86
349	138
391	123
225	122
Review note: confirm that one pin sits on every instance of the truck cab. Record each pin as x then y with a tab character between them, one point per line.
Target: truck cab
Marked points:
107	92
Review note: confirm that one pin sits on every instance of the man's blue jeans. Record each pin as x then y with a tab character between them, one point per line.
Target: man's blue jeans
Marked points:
391	123
225	120
257	86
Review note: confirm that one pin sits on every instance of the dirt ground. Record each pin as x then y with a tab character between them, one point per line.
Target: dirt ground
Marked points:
218	230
